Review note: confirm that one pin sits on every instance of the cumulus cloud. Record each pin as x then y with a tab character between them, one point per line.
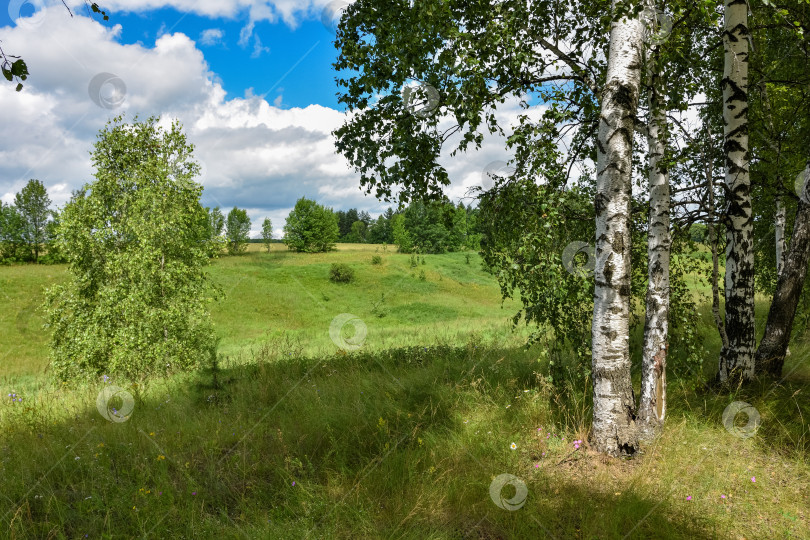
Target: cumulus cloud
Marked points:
254	154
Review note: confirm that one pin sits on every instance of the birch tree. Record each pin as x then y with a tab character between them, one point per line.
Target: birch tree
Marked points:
135	300
614	429
780	233
469	57
652	404
737	359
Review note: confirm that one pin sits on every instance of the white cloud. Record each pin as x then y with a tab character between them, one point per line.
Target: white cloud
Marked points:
255	155
258	48
211	36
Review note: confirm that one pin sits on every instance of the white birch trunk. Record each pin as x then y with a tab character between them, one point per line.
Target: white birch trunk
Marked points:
780	233
737	360
652	407
614	429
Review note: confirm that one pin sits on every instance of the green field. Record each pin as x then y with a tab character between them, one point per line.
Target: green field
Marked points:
399	439
286	299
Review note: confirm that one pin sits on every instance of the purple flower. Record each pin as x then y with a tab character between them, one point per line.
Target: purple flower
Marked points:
688	497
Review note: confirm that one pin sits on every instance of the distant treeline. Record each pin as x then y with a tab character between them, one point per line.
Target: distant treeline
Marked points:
29	228
433	227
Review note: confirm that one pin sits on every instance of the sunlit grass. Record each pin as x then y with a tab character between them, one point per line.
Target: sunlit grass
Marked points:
288	295
389	441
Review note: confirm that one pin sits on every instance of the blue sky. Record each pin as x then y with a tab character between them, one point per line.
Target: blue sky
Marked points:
276	60
251	81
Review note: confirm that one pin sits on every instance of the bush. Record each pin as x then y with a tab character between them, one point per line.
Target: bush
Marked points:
341	273
376	259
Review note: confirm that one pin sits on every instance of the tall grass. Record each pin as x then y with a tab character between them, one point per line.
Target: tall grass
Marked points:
402	443
402	438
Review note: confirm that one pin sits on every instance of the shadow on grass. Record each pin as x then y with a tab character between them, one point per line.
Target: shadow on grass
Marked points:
398	444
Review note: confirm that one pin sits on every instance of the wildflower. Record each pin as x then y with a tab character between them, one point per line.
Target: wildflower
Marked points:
193	492
293	482
161	457
722	496
753	478
688	497
151	433
536	465
513	446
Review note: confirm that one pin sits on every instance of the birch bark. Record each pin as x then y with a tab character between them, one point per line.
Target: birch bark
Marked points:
652	407
780	232
737	359
614	428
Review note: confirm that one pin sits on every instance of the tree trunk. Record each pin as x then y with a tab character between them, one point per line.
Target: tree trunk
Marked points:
770	356
780	232
718	320
737	359
614	429
652	408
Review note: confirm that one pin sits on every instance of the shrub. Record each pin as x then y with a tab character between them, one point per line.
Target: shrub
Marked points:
341	273
380	309
422	276
376	259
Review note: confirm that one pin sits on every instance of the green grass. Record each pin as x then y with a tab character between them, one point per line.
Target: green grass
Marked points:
287	297
387	442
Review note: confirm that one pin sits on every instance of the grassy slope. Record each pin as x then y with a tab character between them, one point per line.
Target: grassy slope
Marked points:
397	444
283	296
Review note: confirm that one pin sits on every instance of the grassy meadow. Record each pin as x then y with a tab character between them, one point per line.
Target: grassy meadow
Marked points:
404	437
